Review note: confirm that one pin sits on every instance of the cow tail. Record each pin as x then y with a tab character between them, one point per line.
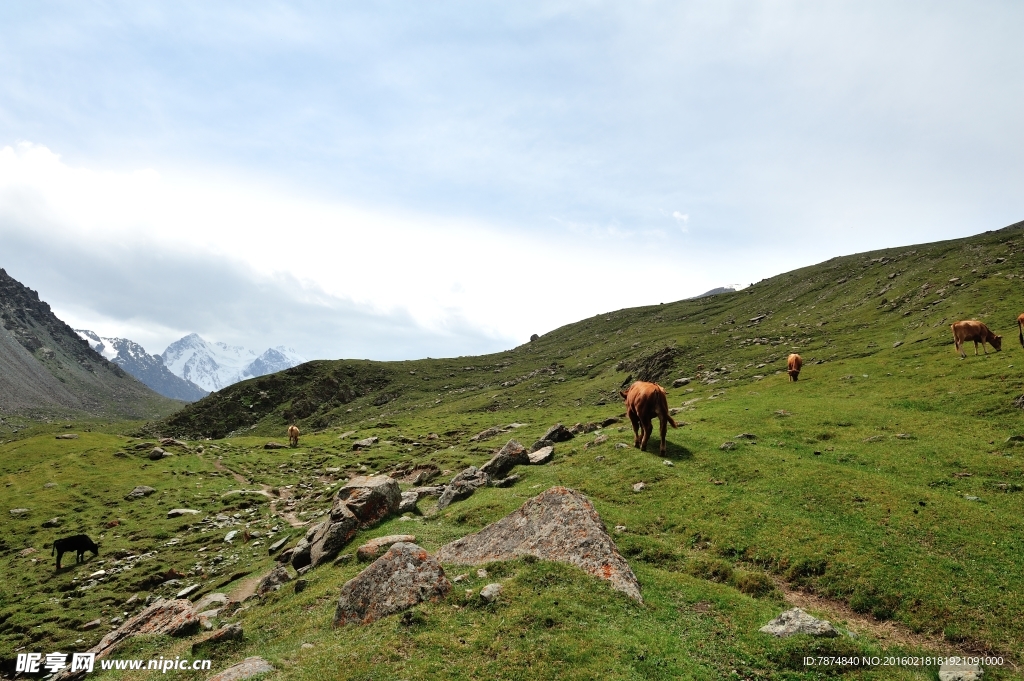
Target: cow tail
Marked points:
664	405
53	548
1021	333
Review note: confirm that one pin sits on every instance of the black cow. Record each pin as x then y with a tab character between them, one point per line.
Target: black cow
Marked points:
79	543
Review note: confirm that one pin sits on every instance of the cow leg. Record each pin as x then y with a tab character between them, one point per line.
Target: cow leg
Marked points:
663	422
648	429
634	418
59	555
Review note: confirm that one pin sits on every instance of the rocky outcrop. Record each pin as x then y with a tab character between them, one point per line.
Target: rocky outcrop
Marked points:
398	580
560	525
511	455
370	498
796	621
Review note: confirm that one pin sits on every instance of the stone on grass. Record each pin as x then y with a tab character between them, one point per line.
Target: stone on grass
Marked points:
275	445
370	498
727	446
490	593
487	434
960	672
52	522
66	436
541	444
680	382
364	443
507	481
91	625
300	585
188	591
229	632
542	455
462	486
408	503
178	512
558	433
230	536
250	666
398	580
139	492
273	581
501	464
211	599
796	621
429	491
324	540
639	486
559	525
278	545
371	549
158	453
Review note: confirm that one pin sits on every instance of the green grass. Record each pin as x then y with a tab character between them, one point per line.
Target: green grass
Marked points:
855	486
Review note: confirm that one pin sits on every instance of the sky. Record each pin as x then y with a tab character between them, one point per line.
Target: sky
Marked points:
396	180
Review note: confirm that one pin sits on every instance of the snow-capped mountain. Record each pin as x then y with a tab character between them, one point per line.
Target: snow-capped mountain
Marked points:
213	366
149	369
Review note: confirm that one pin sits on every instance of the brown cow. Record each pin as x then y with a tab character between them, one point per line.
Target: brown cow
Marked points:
1020	325
293	436
974	330
793	365
644	401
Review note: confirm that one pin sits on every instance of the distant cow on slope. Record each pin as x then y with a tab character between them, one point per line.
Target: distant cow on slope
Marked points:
79	543
793	365
1020	327
644	401
293	436
974	330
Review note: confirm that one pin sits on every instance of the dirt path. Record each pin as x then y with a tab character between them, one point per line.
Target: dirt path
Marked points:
888	633
283	494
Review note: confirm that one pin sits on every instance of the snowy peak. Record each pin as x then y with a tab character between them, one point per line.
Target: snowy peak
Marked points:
149	369
213	366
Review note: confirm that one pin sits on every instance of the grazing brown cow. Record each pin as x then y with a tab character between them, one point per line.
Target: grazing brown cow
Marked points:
1020	326
793	365
293	436
974	330
644	401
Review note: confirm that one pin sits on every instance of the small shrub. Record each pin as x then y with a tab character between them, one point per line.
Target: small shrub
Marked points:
805	568
711	569
756	584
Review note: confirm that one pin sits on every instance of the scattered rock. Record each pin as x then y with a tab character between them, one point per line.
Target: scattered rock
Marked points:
277	546
171	441
408	502
370	498
250	666
324	540
541	456
421	475
897	344
66	436
158	453
139	492
342	559
487	434
506	481
27	552
462	487
511	455
398	580
560	525
371	549
621	445
275	445
230	536
178	512
960	672
639	487
366	442
668	463
188	591
490	593
680	382
796	621
273	581
229	632
52	522
599	440
91	625
727	446
210	599
429	491
481	573
558	433
19	511
541	444
746	436
300	585
611	420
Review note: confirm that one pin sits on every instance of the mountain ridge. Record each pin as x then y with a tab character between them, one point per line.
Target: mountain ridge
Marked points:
147	368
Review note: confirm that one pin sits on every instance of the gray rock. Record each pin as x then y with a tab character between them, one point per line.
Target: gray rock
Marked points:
680	382
188	591
558	433
370	498
364	443
960	672
211	599
429	491
373	548
560	525
796	621
507	481
501	464
639	487
230	536
462	487
275	445
542	455
487	434
157	453
52	522
66	436
746	436
88	626
398	580
408	503
139	492
541	444
178	512
324	540
300	585
229	632
274	580
728	446
250	666
490	593
278	545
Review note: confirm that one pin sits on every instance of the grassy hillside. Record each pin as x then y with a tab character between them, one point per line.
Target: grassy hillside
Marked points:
887	479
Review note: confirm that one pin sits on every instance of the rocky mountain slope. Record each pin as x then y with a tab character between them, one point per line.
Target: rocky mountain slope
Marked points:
44	365
149	369
213	366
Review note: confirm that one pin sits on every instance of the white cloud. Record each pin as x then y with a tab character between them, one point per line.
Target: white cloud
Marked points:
681	219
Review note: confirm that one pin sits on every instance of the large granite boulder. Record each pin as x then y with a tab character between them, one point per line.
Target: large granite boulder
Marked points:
560	525
511	455
398	580
370	498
